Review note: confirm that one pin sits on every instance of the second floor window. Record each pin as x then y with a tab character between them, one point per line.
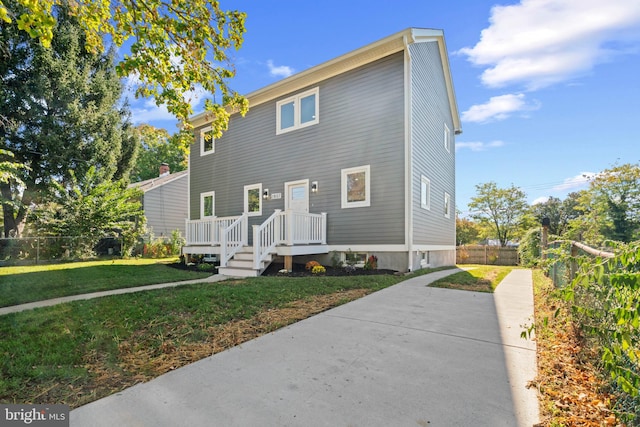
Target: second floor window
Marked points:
297	111
207	142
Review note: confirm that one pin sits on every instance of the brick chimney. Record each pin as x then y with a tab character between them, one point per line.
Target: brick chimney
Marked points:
164	169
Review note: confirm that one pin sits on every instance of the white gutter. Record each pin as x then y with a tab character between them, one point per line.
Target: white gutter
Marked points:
408	153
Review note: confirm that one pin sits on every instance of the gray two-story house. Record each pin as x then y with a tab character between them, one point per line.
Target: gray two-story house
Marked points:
355	155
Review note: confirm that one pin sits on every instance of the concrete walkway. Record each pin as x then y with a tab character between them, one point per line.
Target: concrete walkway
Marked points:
55	301
408	355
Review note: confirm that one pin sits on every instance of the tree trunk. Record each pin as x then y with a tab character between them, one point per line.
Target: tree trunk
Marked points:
13	221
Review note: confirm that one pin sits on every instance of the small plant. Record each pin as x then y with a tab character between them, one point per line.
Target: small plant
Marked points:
350	258
349	268
206	267
311	264
336	262
372	263
318	269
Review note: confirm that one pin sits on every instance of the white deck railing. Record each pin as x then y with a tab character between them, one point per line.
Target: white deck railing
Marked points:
207	231
233	238
281	228
298	228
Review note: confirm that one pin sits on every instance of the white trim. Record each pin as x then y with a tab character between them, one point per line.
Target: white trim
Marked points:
408	149
425	204
245	206
286	191
433	248
367	189
211	194
373	248
447	205
204	152
297	112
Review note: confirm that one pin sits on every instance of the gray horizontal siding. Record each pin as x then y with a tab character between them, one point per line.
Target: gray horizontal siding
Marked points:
165	207
429	112
361	123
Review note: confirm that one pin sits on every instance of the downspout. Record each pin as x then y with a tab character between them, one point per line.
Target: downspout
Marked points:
408	167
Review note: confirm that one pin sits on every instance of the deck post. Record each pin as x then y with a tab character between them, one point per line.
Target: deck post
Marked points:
288	263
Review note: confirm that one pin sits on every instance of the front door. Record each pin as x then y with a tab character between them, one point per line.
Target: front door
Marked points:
297	196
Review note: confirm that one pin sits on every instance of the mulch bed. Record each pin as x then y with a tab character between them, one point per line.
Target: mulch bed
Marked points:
299	270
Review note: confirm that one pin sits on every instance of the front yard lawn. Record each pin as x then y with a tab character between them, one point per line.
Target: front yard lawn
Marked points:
77	352
479	278
22	284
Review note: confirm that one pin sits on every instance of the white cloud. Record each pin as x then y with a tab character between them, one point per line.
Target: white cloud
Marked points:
539	200
541	42
575	182
145	110
498	108
478	146
279	70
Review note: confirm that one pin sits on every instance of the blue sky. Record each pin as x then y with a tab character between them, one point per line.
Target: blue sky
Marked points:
548	90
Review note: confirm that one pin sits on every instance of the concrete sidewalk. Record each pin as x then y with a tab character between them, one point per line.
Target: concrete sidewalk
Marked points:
55	301
408	355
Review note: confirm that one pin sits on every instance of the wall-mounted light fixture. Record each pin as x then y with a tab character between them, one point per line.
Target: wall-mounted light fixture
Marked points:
265	193
314	187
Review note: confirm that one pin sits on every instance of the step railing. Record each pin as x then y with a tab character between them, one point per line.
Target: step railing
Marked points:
265	238
233	238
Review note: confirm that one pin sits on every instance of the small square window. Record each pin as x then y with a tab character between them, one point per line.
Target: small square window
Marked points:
356	187
425	193
447	205
207	205
207	141
253	199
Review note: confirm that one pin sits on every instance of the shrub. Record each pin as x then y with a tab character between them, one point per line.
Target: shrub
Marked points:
336	262
529	248
372	263
318	269
311	264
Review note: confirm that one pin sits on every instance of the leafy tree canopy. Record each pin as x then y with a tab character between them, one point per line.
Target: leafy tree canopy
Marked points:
502	208
61	110
90	209
156	147
175	46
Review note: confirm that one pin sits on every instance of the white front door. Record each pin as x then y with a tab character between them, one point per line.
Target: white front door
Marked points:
297	198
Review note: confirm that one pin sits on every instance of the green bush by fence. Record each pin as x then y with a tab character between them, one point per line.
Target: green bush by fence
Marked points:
605	297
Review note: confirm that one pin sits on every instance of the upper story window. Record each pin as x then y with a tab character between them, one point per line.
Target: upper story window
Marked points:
207	204
356	187
253	199
447	138
425	193
297	111
447	205
207	141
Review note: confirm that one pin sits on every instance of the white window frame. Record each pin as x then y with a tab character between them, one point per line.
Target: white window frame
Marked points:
296	99
204	152
211	194
425	193
447	138
359	204
447	205
246	199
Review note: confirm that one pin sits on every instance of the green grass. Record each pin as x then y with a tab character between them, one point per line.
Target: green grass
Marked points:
64	353
479	278
22	284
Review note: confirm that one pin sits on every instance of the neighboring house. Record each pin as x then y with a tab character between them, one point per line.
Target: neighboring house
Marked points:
165	201
355	155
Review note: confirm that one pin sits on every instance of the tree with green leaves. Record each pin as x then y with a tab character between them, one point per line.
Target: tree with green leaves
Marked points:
467	231
176	45
61	109
614	198
157	147
89	209
501	208
559	212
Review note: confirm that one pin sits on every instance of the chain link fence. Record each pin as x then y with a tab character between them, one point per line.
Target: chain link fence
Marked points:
34	250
